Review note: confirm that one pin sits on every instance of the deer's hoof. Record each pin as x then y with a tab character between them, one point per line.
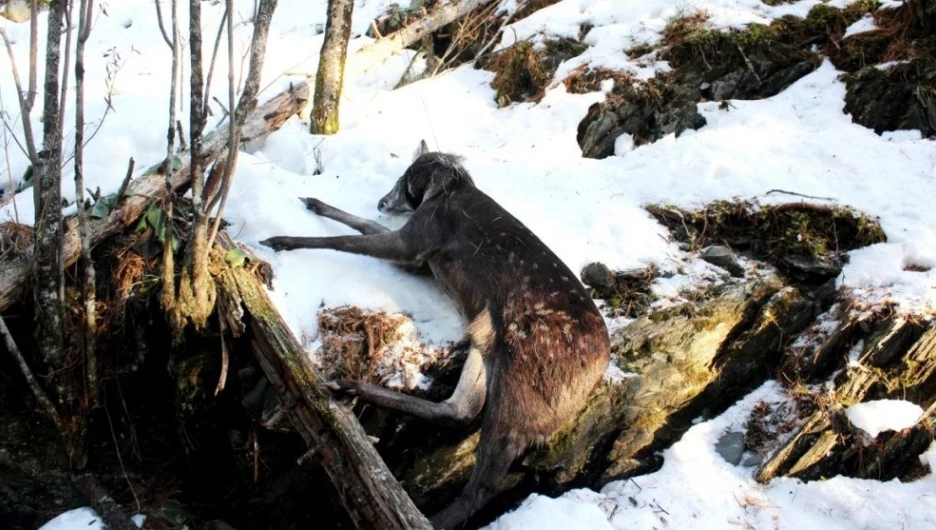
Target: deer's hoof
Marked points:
342	387
277	243
314	205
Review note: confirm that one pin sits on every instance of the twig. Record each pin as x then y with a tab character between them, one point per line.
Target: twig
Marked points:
33	57
800	195
40	394
749	65
182	145
120	461
494	39
162	27
63	97
214	56
126	181
24	99
225	358
9	168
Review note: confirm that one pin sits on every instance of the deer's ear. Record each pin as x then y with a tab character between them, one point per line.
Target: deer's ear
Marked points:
421	150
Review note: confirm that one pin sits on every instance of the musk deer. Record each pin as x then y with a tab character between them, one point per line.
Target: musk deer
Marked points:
538	344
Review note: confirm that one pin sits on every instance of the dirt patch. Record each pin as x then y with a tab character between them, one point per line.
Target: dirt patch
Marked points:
807	241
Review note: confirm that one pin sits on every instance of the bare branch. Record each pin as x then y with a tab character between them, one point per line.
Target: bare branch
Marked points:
168	279
248	99
214	56
89	288
6	152
33	54
24	99
162	27
37	390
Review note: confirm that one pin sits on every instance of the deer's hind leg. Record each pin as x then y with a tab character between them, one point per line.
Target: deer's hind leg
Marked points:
462	407
364	226
499	446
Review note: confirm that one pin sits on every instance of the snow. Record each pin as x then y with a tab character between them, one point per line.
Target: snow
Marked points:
862	25
527	158
874	417
85	518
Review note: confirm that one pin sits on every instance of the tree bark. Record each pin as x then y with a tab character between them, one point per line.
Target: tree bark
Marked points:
47	193
89	342
369	492
330	76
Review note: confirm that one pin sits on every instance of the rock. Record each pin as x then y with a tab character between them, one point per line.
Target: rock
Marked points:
810	269
598	276
647	111
894	98
723	257
731	446
751	460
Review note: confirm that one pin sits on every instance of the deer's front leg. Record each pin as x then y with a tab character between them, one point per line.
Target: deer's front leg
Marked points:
360	224
389	246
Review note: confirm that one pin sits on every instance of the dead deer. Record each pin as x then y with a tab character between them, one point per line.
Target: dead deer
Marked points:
538	344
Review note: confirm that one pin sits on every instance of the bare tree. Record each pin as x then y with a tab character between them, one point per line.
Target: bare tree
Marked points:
85	12
168	277
48	222
330	76
192	298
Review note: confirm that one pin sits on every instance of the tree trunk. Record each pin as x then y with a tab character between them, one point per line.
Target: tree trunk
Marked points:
47	192
330	76
370	494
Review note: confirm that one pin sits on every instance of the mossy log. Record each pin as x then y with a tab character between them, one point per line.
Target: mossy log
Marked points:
897	360
369	492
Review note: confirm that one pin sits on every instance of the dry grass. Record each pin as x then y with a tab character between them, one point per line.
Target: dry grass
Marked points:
681	27
375	347
586	79
519	74
523	71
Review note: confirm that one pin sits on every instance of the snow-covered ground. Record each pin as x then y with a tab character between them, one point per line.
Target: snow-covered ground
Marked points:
527	158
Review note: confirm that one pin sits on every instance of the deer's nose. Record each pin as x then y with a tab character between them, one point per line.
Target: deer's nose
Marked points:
382	204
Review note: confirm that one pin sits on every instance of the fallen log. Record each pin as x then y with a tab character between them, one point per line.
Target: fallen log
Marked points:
149	187
370	494
381	49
